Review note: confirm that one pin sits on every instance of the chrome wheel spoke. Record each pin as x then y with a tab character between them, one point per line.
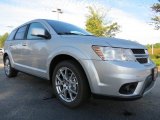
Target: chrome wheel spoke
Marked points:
63	74
7	66
73	82
72	91
66	84
62	91
59	84
65	94
60	81
70	94
71	77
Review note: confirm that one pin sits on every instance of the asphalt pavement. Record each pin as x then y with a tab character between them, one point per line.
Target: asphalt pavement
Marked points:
30	98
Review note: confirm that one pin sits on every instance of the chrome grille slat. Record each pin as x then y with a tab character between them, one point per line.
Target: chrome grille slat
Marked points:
138	51
140	55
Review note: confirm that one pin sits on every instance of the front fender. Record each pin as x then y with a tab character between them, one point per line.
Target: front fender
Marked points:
67	50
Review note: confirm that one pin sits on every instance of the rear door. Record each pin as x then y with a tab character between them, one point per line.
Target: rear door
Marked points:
15	45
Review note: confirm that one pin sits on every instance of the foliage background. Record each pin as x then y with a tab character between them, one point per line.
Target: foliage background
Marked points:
2	39
98	25
156	53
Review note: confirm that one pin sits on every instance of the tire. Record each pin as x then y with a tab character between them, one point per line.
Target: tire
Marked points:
72	88
9	71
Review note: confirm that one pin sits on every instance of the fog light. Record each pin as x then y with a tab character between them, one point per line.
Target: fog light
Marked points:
128	88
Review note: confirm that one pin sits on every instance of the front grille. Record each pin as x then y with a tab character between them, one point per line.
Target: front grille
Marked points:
141	55
142	60
138	51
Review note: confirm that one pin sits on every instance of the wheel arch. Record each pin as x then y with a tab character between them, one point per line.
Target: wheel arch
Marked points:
62	57
4	55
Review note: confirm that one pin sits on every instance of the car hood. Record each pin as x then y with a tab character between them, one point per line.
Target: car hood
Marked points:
115	42
103	41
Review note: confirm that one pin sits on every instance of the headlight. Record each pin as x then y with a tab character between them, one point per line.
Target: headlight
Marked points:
110	53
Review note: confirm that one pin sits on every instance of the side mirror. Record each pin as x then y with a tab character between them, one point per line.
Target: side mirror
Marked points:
39	32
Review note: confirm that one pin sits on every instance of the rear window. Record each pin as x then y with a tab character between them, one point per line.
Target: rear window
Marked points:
21	33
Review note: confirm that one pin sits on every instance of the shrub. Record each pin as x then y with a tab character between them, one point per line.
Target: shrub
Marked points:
156	61
156	56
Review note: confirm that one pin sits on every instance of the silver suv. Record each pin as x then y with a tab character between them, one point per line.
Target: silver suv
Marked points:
77	63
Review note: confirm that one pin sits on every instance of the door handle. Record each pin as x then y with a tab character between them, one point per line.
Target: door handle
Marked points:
24	44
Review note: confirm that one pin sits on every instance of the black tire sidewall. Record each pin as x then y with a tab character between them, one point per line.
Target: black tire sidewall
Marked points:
7	58
12	72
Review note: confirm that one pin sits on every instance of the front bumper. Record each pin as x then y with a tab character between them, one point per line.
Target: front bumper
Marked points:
106	77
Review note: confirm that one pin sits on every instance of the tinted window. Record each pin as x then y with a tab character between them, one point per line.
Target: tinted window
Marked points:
21	33
11	36
34	26
63	28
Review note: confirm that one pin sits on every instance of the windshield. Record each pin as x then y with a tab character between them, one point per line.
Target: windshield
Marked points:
63	28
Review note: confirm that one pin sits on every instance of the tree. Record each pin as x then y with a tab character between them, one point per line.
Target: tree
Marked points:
156	19
97	25
156	45
3	39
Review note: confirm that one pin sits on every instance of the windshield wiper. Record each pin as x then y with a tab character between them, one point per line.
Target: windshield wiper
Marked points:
89	35
68	33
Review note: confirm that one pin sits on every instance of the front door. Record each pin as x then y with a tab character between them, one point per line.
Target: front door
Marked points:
35	52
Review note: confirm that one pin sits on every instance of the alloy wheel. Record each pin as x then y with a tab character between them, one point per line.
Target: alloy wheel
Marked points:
66	84
7	66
